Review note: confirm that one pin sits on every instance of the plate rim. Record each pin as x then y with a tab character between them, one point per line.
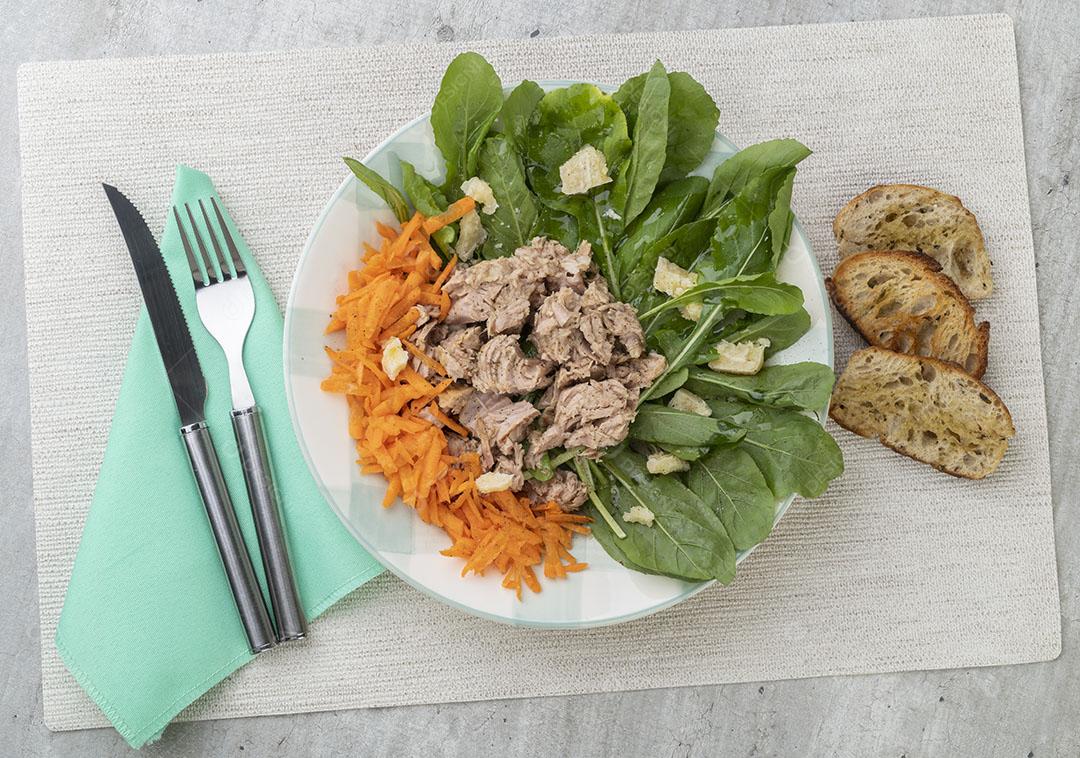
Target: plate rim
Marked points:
693	589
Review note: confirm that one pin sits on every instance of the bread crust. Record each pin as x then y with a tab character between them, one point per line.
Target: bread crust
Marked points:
903	322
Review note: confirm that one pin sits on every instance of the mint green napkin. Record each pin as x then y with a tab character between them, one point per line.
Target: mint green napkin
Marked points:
148	623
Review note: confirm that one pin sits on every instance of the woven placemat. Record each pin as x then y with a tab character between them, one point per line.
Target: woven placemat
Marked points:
897	567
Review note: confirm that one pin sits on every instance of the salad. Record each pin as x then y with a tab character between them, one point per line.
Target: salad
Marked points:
571	327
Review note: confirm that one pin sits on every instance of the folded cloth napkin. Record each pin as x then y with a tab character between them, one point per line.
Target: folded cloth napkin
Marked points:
148	623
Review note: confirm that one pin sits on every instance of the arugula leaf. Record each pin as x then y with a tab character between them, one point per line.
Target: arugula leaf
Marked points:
684	243
382	188
429	200
732	176
671	382
512	223
744	241
794	452
757	294
782	330
516	110
469	99
687	539
635	184
805	386
685	355
660	424
692	119
670	208
730	482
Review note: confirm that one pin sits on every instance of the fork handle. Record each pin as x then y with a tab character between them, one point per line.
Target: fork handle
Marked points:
273	544
230	543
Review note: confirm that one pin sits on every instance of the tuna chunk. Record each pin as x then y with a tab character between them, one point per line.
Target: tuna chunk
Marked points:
555	326
622	324
502	367
452	399
592	415
558	266
640	372
457	353
497	292
564	489
423	338
499	425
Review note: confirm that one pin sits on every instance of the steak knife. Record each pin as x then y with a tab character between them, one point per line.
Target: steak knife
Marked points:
189	391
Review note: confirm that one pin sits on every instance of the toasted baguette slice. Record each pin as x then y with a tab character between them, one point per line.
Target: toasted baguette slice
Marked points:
901	301
909	217
924	408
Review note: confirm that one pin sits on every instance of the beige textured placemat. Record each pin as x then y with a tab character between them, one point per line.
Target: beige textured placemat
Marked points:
897	567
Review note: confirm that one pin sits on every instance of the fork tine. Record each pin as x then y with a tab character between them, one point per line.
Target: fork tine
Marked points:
223	264
211	264
238	263
193	264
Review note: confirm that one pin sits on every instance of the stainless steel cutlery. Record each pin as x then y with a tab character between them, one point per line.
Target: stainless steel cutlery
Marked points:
226	305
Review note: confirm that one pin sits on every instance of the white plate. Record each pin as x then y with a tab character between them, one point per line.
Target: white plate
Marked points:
606	592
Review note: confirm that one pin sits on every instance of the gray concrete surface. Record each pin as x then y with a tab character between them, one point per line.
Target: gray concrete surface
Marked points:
1031	710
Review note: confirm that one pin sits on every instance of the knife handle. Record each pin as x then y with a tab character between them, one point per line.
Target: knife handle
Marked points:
273	544
230	544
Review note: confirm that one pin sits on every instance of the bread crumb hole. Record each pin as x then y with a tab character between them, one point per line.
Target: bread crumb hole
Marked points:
928	373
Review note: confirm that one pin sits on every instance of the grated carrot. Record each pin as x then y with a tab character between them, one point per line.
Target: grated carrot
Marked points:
501	530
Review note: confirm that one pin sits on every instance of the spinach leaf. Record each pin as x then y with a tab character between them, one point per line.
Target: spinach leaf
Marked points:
602	532
429	200
635	184
468	101
512	223
660	424
516	110
730	482
692	119
782	331
805	386
382	188
687	540
685	453
564	120
745	240
748	164
794	452
557	226
671	207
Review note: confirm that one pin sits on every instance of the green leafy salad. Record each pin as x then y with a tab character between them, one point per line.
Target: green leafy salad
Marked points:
719	439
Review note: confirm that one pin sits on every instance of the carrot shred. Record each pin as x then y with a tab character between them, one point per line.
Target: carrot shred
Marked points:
399	428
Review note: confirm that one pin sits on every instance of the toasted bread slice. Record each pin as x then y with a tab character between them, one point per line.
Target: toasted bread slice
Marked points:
924	408
901	301
921	219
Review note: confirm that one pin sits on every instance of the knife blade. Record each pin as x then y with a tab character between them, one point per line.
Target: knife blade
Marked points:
170	327
189	392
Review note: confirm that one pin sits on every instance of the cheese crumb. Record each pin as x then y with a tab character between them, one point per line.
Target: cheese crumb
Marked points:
744	358
394	358
480	191
585	169
612	214
684	400
471	235
639	514
673	280
665	463
493	481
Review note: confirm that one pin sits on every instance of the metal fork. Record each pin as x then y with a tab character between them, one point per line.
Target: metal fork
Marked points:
226	304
